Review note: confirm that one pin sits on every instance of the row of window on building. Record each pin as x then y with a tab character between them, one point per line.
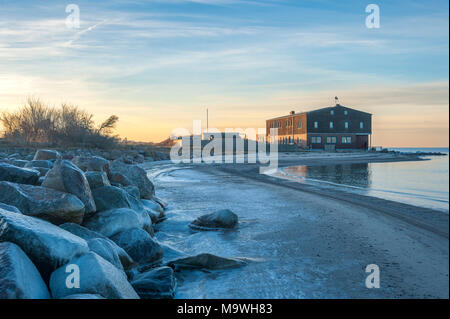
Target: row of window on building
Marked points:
288	123
316	140
346	125
289	140
331	140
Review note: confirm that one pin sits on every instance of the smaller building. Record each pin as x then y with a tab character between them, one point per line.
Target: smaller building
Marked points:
334	127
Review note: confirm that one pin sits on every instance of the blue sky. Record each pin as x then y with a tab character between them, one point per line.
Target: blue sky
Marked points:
159	64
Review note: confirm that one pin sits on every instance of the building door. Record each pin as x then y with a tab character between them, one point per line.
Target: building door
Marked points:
362	141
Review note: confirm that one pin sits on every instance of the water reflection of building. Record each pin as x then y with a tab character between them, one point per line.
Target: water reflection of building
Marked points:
348	174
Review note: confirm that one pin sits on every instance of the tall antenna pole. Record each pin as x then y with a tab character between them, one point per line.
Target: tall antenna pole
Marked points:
207	120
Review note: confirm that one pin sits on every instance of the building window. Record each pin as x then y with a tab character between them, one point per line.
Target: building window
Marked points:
345	112
331	124
299	124
346	140
316	140
316	124
332	112
331	139
361	124
346	124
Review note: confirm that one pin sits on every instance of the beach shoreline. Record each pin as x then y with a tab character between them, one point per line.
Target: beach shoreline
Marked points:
336	234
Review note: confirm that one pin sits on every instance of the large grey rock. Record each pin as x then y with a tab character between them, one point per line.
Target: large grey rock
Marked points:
136	175
47	245
119	180
170	253
158	283
206	261
19	278
113	221
91	163
221	219
46	155
133	191
97	276
39	163
89	235
152	205
161	202
11	173
106	250
10	208
109	197
156	215
139	245
97	179
42	171
19	163
66	177
42	202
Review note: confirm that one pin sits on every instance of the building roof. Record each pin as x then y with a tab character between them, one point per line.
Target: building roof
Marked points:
319	110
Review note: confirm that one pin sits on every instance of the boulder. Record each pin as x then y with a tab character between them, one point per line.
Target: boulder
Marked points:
47	245
139	245
19	278
161	202
119	180
39	163
10	208
91	163
152	205
133	191
221	219
83	296
105	249
46	155
97	179
158	283
11	173
42	202
206	261
89	235
109	197
136	175
19	163
113	221
170	253
67	178
156	215
14	156
97	276
42	171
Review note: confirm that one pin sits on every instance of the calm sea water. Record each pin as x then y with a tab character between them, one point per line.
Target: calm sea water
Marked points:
423	183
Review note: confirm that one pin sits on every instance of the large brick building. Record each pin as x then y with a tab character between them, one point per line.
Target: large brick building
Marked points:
335	127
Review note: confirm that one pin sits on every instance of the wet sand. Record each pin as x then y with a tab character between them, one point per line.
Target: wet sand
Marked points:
311	243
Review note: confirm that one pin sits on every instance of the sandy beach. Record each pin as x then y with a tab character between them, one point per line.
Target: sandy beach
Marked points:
305	242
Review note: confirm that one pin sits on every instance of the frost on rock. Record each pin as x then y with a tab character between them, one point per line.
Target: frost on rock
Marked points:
47	245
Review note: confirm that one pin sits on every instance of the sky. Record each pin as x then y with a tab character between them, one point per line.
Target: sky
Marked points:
159	64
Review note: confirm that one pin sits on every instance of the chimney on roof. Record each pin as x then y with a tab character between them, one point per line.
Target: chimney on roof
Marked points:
291	112
336	100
